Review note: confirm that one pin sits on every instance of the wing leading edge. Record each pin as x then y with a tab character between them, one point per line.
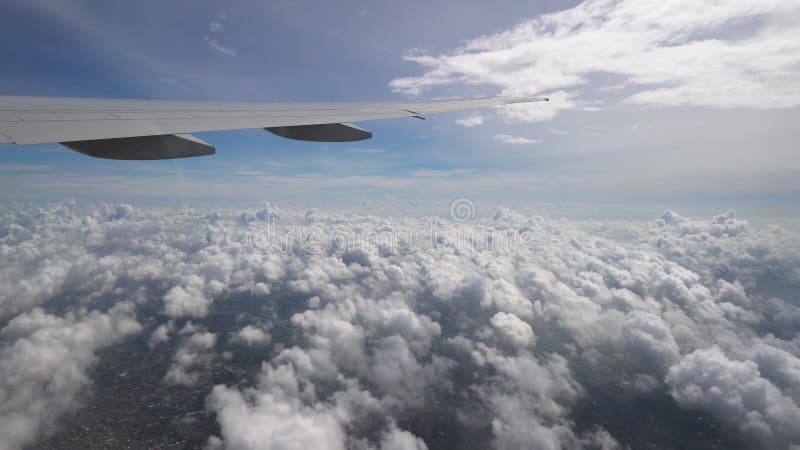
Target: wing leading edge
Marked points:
157	129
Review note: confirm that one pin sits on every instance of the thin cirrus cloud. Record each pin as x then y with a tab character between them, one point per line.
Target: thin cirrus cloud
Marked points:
515	140
365	150
439	173
216	27
214	44
736	54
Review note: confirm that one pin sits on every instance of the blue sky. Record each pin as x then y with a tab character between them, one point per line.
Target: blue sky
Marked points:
693	108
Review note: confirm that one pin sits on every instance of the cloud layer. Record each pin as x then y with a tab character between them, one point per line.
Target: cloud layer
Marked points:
487	327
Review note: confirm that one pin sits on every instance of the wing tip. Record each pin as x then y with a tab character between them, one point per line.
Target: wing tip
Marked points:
512	100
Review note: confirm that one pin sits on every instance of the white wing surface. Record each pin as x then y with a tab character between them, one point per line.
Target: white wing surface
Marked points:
158	129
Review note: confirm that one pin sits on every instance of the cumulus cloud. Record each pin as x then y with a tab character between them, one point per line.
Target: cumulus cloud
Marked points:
738	396
397	439
250	335
186	301
512	330
121	211
193	355
529	399
160	334
44	366
740	53
276	415
649	339
472	121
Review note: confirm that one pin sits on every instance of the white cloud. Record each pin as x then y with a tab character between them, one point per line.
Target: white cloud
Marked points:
648	338
542	112
275	416
439	173
250	335
160	334
45	365
742	53
397	439
512	330
515	140
5	167
193	354
365	150
528	399
472	121
214	44
738	396
189	301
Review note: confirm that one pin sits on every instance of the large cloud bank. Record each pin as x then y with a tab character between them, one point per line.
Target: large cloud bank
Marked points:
479	327
725	54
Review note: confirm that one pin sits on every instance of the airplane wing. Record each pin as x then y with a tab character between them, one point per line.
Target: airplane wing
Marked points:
158	129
